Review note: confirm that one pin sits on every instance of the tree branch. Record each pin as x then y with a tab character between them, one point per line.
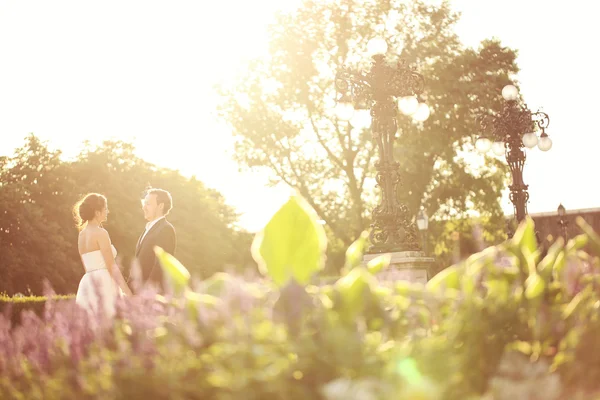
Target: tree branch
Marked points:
332	156
366	168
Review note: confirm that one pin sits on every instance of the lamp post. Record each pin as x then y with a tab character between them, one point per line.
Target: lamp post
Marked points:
562	221
507	133
423	224
392	228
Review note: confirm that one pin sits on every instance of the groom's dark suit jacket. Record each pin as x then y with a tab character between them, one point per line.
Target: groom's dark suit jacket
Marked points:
161	234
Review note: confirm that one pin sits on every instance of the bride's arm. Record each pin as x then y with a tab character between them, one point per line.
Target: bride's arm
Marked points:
113	268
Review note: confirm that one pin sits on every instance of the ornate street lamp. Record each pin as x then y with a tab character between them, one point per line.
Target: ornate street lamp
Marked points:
507	133
377	89
563	223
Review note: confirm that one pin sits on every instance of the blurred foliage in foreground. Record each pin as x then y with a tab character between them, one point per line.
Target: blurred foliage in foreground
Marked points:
505	323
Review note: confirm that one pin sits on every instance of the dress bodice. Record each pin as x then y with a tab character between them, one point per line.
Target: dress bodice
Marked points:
93	260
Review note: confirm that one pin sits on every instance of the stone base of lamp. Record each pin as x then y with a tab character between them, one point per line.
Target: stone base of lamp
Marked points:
412	266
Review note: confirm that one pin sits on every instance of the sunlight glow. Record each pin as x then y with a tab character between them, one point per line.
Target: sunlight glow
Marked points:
498	148
483	145
344	111
148	79
361	119
145	72
422	112
408	105
377	46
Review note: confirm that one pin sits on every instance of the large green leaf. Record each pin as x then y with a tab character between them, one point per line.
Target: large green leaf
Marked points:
175	271
524	237
292	244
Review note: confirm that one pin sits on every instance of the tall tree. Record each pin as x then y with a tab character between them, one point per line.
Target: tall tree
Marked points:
34	213
282	111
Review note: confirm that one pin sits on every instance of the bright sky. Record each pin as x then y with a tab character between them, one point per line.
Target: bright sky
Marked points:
144	71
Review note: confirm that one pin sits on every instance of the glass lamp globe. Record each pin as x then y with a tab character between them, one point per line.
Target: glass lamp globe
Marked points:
498	148
483	145
422	112
408	105
344	111
530	140
361	119
510	92
545	143
376	46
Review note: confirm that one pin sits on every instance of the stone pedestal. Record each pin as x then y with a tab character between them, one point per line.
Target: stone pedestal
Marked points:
410	266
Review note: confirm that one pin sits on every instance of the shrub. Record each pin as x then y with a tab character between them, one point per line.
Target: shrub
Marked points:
13	307
504	323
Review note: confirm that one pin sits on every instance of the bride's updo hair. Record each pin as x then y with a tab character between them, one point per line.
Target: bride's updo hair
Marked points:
85	209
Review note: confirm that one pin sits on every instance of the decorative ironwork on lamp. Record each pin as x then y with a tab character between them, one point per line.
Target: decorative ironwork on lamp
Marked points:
377	89
507	133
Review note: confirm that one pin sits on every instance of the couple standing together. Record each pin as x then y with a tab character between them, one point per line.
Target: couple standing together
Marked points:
103	281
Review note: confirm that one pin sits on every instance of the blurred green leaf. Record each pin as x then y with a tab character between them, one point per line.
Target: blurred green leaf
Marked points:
498	289
292	244
531	260
408	369
521	346
355	251
574	304
546	266
445	279
354	288
576	243
593	237
216	283
177	274
534	286
201	299
525	235
379	263
559	265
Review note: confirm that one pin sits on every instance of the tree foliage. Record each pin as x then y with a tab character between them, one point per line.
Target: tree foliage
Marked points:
38	238
282	111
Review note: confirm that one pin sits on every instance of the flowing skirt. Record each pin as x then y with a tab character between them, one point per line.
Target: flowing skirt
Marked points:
98	293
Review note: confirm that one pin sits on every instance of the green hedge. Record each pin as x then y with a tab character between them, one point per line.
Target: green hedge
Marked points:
12	307
507	323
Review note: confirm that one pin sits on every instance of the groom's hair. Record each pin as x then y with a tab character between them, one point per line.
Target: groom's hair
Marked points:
162	196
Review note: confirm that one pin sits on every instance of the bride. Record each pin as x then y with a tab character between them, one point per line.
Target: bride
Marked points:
103	282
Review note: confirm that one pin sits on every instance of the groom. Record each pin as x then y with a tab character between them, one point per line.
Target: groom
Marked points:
159	232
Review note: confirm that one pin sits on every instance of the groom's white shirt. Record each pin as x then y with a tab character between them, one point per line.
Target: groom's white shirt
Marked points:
149	225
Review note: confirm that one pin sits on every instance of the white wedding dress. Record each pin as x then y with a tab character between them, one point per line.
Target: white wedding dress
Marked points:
97	287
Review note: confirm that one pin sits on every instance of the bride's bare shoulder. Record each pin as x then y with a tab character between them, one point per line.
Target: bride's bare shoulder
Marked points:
93	231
